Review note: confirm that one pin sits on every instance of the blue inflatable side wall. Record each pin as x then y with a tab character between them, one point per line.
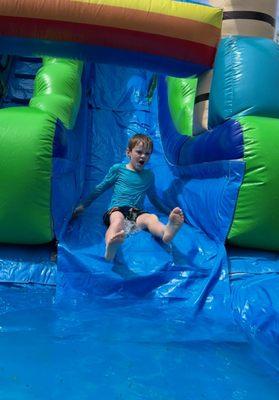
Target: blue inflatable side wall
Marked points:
225	142
68	169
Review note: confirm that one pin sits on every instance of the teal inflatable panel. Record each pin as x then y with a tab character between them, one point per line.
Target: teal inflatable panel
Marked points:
245	80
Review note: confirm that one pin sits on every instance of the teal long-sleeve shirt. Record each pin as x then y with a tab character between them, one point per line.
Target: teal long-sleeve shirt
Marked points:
130	188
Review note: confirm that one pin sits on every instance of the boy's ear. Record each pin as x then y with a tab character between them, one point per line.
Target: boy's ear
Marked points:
127	152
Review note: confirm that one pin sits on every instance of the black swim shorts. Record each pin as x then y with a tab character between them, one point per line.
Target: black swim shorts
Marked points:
130	213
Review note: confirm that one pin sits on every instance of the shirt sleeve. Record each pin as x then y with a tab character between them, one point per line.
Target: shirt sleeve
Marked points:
154	198
108	181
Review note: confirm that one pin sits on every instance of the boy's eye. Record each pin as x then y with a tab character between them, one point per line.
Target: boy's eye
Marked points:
139	152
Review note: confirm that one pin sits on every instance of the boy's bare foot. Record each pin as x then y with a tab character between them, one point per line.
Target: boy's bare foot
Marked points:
175	222
113	244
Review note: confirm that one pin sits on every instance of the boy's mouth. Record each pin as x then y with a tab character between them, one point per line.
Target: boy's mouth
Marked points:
141	162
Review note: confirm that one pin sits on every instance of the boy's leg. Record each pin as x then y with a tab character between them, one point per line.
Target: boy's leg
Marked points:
114	235
152	223
157	228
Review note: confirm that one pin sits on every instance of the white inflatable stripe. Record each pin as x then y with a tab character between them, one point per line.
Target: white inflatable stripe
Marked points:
263	6
248	17
246	27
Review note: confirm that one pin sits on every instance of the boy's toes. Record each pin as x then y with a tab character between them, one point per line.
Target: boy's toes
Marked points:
176	216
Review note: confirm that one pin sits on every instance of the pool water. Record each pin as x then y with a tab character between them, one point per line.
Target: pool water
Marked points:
119	350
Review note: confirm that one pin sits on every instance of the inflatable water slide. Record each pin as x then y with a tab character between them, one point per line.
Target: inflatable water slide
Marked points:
78	78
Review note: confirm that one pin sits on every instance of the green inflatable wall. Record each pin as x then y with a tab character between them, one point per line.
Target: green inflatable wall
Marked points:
256	218
26	137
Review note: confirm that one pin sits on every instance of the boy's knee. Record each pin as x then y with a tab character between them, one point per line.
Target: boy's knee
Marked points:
154	218
116	221
151	220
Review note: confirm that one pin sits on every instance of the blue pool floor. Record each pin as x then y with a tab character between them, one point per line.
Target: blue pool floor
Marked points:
121	351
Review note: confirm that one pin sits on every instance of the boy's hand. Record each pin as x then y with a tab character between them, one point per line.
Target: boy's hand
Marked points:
78	211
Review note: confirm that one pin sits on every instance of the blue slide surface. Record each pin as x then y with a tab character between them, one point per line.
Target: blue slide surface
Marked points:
195	264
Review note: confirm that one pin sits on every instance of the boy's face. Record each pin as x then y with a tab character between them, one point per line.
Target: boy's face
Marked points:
139	156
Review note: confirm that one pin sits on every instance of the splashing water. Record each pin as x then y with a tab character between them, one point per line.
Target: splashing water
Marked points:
130	227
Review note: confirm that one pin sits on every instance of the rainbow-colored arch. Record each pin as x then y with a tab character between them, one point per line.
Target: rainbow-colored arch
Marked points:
178	38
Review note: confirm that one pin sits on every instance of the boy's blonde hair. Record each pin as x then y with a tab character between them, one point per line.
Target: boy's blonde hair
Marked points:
140	138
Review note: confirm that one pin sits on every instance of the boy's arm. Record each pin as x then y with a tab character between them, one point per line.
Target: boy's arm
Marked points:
106	183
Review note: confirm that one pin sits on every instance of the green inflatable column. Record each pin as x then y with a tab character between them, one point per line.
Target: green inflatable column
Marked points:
57	89
256	221
181	99
26	137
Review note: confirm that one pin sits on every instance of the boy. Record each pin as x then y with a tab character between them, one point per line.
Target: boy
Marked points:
131	183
